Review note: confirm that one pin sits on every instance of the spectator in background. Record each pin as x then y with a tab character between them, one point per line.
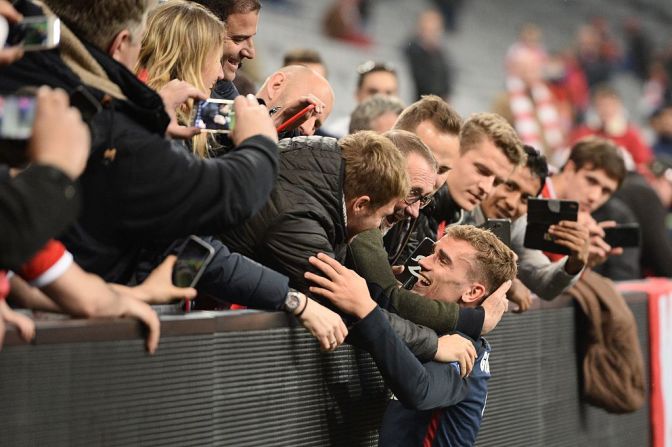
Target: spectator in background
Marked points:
656	92
196	60
306	57
596	65
377	113
661	123
344	21
639	48
610	121
241	18
529	104
430	67
373	78
530	38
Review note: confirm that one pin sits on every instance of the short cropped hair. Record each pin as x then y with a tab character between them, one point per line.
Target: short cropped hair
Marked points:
409	143
369	67
433	109
495	263
537	165
100	21
371	108
594	153
374	167
299	56
224	8
495	128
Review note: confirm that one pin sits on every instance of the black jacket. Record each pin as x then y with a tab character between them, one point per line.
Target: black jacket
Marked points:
37	205
137	186
304	216
656	245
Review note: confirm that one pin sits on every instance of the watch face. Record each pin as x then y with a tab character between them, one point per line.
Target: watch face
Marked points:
292	302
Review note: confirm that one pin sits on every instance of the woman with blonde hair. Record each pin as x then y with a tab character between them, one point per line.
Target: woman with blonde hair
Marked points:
185	41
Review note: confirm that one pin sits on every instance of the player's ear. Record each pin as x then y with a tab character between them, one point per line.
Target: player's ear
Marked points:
475	292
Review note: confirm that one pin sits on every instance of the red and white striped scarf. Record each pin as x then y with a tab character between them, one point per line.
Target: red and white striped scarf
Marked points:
535	115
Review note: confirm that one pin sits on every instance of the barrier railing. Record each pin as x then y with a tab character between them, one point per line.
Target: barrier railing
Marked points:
249	378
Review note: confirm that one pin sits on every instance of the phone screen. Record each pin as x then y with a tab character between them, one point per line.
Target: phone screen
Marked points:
17	114
623	235
36	33
191	261
214	115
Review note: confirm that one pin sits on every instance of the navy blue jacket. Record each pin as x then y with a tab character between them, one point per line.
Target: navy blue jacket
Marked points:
229	278
423	388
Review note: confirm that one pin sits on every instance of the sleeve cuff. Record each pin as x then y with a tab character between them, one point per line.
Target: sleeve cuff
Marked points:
470	322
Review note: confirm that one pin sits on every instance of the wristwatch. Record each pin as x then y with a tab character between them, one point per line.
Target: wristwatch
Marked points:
292	301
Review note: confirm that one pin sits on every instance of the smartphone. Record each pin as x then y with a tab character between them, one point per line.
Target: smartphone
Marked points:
623	235
500	228
192	259
35	33
412	268
214	115
541	214
282	127
17	114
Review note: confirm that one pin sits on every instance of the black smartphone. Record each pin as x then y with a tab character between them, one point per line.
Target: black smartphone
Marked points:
541	214
623	235
500	228
412	268
192	259
214	115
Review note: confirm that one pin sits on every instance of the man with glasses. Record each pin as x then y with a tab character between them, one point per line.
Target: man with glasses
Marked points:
490	149
373	78
367	255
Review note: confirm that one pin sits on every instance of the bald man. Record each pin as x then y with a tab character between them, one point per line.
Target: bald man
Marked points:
290	89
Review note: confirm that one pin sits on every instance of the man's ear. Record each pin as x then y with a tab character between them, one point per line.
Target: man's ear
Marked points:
569	167
275	85
120	43
475	292
361	204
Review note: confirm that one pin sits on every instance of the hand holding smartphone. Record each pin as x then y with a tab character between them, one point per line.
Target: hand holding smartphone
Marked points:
35	33
214	115
192	260
541	214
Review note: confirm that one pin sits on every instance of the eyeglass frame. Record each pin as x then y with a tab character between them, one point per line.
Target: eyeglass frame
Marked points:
424	200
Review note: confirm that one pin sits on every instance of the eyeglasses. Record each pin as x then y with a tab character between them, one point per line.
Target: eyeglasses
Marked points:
425	200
